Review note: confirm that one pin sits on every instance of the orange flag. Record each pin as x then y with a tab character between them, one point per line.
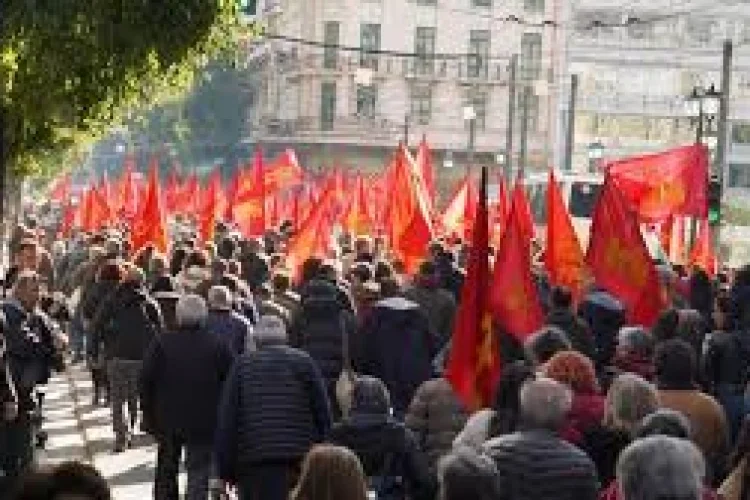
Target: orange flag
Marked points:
68	220
658	185
563	257
283	172
410	222
515	300
231	195
357	219
250	204
314	234
520	204
209	209
619	260
426	169
458	217
702	256
149	226
474	364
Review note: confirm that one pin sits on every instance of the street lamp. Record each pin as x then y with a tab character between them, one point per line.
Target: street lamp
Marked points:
448	160
702	105
470	116
501	160
596	153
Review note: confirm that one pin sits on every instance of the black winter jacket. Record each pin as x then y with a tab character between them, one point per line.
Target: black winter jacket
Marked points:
578	331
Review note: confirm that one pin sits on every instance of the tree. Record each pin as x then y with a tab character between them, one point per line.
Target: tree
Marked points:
69	69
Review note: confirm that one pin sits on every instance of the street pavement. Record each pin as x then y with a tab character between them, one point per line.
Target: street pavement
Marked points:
80	431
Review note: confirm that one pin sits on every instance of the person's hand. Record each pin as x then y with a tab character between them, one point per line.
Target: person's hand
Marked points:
10	411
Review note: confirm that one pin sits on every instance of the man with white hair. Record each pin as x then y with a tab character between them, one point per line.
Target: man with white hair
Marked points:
659	467
274	408
228	325
180	388
535	462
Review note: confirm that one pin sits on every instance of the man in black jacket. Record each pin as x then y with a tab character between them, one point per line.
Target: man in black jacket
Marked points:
180	388
127	323
563	316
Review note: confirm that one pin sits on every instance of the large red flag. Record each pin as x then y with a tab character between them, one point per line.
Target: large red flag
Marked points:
514	299
619	260
458	217
149	226
474	363
658	185
520	204
172	191
283	172
95	211
357	218
250	204
563	257
210	208
189	200
68	220
314	234
231	195
702	256
426	169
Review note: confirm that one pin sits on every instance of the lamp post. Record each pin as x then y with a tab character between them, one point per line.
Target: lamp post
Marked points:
501	160
448	160
470	116
702	106
596	153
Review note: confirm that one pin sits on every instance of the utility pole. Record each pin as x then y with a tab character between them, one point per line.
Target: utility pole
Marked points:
570	128
406	130
472	141
721	168
512	72
524	130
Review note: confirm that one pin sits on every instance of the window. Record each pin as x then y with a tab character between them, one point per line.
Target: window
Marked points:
327	105
367	100
421	104
700	31
369	40
738	175
426	2
741	133
533	6
532	112
641	31
531	55
481	3
478	100
249	7
424	47
331	41
479	53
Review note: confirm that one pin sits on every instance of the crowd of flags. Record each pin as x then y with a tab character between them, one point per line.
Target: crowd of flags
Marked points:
647	193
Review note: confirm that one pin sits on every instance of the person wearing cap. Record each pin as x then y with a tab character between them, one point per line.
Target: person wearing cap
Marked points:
274	408
225	323
180	387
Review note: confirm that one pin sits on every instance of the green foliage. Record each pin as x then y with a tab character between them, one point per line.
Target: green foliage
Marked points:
70	69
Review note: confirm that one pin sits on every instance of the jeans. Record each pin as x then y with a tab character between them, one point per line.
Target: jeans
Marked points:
268	481
197	463
16	452
123	383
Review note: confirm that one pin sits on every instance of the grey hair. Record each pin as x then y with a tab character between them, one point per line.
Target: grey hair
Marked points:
544	403
636	339
219	297
467	473
657	467
630	398
665	422
191	311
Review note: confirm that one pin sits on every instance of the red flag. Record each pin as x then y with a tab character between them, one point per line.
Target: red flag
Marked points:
60	190
95	212
357	219
515	300
500	211
520	204
149	226
666	234
702	256
426	169
128	191
619	260
410	222
563	257
274	212
458	217
231	195
658	185
172	191
209	208
314	234
250	205
189	198
68	220
474	364
282	172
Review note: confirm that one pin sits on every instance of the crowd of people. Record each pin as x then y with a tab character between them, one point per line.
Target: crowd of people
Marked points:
327	383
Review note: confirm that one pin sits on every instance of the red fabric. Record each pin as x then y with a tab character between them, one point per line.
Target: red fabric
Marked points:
563	256
357	218
231	196
520	204
250	204
313	237
68	220
95	212
149	226
458	217
172	191
474	364
283	172
60	190
500	211
702	256
424	163
660	185
619	260
515	300
586	412
210	208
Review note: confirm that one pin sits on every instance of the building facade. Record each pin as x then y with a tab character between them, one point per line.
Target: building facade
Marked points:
344	81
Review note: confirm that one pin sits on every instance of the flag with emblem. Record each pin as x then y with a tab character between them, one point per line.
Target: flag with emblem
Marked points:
514	300
563	257
659	185
474	364
619	260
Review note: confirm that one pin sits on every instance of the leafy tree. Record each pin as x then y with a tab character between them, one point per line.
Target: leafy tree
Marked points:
69	69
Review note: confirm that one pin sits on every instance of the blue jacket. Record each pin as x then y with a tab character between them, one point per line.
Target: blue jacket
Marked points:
232	328
274	408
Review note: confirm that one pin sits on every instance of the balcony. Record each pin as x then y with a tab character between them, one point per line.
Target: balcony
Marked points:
634	104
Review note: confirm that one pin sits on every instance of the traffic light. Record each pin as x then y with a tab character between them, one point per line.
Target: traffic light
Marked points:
714	200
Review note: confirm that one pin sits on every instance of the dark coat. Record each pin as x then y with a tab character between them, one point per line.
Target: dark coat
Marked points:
255	270
438	305
231	328
605	315
603	446
577	330
167	302
395	345
181	383
128	322
727	359
274	407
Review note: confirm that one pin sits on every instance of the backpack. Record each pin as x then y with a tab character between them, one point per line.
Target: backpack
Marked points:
386	485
